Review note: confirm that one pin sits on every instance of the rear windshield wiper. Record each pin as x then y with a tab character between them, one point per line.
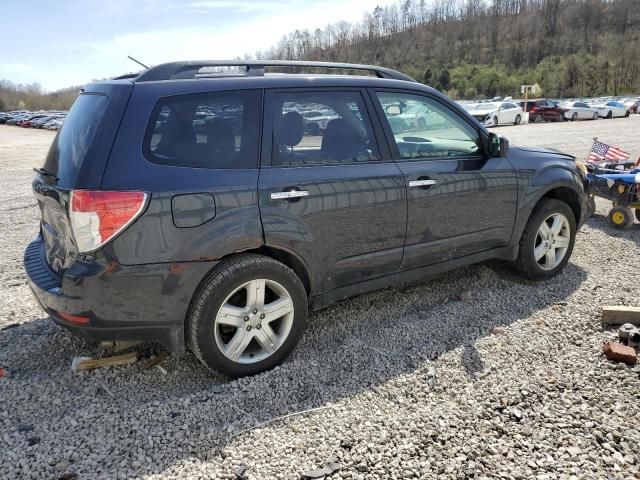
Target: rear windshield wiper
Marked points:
42	171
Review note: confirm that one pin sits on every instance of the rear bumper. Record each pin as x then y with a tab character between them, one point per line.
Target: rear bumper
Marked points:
146	303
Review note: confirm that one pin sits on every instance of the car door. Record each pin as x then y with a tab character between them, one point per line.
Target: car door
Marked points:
459	201
328	191
511	111
549	110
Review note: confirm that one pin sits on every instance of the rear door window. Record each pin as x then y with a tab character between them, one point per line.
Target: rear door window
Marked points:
71	144
321	128
218	130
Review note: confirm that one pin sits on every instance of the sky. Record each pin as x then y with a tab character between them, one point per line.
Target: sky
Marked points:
64	43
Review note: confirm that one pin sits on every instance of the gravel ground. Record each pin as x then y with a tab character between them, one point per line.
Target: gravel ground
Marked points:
472	374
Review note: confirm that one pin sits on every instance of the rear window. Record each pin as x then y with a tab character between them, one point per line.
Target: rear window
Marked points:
70	146
205	130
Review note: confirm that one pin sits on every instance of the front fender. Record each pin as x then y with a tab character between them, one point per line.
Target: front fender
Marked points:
550	181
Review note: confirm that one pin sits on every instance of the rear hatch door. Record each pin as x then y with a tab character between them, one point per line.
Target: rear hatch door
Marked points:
76	160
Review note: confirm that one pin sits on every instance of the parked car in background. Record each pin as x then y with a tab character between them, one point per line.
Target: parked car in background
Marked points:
315	122
611	109
54	124
578	111
632	104
411	116
24	118
492	114
543	110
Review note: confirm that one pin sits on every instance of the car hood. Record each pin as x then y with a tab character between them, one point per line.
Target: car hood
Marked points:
545	151
482	111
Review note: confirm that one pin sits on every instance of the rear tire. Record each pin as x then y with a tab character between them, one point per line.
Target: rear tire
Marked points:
518	120
546	246
247	316
596	116
621	218
538	118
638	214
495	121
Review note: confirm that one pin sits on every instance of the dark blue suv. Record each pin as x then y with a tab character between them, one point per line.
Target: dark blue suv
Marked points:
210	205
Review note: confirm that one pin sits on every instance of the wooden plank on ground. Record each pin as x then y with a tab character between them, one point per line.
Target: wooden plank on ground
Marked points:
620	314
92	364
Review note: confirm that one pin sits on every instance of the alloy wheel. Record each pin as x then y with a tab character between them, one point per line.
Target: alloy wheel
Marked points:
552	241
254	321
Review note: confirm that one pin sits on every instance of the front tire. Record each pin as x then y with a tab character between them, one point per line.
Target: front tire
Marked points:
574	117
547	241
248	316
609	114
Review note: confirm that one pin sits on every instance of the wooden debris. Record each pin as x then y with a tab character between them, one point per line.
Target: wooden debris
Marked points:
620	314
92	364
151	362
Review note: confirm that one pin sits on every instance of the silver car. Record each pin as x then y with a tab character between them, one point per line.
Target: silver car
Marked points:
578	111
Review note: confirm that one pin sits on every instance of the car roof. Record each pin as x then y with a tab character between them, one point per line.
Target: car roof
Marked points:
182	86
251	68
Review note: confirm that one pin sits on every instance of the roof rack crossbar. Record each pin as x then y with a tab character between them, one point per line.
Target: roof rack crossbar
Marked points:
190	69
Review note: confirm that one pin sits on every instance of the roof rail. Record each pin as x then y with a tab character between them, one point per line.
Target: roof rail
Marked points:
190	69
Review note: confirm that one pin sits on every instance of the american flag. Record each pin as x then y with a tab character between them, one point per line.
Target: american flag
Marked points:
601	151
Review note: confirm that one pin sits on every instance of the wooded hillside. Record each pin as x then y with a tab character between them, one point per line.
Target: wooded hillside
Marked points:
476	48
32	97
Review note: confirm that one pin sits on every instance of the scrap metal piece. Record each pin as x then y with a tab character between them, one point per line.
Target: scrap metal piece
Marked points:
629	334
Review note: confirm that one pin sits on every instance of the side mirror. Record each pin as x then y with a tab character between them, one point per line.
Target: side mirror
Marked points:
498	145
393	110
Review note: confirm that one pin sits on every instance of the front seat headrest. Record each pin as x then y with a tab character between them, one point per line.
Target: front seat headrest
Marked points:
291	129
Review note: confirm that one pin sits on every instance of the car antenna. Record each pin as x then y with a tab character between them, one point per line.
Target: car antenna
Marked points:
137	61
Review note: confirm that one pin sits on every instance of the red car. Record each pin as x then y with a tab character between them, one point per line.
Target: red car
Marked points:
27	122
542	110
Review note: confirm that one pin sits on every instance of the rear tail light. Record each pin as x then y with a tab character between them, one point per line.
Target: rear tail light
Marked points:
98	216
77	319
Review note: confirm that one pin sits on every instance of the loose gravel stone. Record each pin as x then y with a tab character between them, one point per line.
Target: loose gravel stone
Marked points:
406	382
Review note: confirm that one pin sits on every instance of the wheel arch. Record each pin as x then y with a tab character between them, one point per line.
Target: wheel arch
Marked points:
568	196
566	188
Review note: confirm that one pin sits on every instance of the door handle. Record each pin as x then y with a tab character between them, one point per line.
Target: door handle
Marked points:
288	194
422	183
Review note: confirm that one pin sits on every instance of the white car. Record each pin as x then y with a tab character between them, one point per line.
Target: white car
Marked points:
496	113
611	109
579	111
